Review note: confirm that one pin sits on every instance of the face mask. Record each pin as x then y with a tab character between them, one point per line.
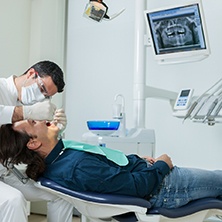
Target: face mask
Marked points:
31	94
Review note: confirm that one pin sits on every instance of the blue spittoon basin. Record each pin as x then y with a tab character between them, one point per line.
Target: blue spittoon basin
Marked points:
103	127
103	124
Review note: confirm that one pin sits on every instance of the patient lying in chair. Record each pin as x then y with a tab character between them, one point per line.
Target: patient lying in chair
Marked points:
83	167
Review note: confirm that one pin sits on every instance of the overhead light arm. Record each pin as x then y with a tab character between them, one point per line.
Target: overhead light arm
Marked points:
97	11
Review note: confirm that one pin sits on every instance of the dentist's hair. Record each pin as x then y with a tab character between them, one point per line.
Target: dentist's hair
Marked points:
13	150
48	68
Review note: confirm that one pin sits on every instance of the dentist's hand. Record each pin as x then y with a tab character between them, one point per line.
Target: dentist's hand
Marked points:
60	119
40	111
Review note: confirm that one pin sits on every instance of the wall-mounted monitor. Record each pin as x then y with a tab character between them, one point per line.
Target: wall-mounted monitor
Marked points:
178	33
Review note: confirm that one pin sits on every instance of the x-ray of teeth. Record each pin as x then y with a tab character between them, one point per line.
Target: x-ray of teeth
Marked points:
176	32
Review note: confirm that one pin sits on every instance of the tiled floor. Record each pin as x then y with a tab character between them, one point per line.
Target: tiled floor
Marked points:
41	218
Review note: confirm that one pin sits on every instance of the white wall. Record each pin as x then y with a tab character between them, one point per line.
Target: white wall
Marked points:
100	65
47	35
14	38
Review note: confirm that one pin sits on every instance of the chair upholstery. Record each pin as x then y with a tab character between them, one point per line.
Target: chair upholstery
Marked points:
108	207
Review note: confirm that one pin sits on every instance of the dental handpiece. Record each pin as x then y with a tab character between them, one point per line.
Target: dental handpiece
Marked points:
193	106
190	110
215	91
219	107
200	98
213	105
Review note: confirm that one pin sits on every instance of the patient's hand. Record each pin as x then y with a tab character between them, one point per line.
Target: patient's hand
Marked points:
151	160
166	159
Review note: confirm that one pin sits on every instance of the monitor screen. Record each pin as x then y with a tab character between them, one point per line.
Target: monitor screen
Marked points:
178	32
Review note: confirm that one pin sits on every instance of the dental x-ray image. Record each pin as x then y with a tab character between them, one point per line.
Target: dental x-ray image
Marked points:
177	29
177	32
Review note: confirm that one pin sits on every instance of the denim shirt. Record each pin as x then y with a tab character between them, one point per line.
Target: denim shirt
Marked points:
82	171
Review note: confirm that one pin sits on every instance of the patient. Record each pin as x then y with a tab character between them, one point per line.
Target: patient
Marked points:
67	163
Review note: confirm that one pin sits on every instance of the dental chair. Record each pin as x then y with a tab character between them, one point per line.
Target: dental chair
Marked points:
95	207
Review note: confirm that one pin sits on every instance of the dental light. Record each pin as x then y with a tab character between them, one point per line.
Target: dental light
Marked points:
97	10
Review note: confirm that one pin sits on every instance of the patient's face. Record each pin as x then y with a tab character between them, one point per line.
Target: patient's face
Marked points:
39	129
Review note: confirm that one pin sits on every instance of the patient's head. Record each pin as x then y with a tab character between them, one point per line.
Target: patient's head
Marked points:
13	145
13	149
39	130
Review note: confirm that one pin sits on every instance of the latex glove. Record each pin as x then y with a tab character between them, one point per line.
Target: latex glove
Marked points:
39	111
60	119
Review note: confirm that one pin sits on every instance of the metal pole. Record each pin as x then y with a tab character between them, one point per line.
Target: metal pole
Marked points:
139	66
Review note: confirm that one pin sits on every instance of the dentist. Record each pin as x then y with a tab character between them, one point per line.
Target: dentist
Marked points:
28	97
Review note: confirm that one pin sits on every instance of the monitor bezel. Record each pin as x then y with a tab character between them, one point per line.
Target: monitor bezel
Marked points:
179	56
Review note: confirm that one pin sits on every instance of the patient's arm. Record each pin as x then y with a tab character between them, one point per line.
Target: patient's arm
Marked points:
163	157
166	159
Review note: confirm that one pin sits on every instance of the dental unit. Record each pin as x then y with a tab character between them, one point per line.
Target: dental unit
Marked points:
204	108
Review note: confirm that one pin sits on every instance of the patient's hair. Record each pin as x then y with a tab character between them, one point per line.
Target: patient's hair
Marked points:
13	150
